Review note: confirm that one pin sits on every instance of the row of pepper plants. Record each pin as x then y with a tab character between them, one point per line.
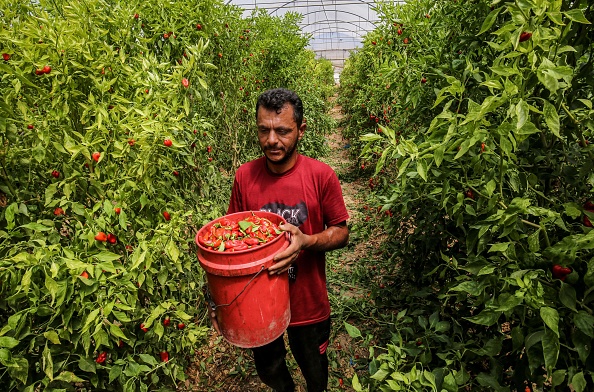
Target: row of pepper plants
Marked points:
478	118
121	124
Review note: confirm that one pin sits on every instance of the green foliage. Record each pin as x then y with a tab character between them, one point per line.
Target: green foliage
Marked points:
479	132
132	132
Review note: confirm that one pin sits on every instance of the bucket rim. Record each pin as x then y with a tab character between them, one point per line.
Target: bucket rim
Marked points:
235	214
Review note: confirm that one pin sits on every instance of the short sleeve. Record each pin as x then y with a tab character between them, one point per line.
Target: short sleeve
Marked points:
235	204
333	206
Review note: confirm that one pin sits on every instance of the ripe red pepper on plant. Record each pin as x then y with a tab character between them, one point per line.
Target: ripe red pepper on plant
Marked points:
164	356
101	236
101	357
560	272
525	36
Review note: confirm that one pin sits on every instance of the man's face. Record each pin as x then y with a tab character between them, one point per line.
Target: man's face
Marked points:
278	136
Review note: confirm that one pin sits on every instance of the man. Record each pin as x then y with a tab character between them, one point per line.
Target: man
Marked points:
307	194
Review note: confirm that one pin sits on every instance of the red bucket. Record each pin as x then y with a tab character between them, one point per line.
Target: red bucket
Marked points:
252	306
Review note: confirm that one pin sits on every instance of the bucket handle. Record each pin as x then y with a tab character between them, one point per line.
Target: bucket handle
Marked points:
214	306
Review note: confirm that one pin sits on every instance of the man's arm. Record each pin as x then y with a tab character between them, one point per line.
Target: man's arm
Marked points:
333	237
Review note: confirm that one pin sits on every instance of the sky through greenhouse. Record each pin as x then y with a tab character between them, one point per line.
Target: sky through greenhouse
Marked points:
336	26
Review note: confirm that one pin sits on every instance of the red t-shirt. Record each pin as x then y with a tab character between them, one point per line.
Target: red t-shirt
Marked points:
309	197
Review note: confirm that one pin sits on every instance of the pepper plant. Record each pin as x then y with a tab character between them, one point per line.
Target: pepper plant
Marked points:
112	157
489	156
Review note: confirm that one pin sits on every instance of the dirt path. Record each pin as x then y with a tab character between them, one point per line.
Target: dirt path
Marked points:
219	366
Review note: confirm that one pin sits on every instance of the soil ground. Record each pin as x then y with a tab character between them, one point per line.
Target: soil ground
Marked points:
219	366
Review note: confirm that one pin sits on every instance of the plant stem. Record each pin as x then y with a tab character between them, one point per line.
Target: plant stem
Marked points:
501	175
9	183
578	127
531	224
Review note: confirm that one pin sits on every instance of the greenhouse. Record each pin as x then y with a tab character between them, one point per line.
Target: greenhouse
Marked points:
246	196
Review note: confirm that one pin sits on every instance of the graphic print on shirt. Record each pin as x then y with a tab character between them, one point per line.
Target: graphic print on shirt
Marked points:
295	215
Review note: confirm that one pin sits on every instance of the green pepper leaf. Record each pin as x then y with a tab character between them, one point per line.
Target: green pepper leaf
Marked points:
243	225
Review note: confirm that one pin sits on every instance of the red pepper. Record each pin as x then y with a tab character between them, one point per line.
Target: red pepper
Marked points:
251	241
560	272
239	247
229	233
203	240
525	36
219	233
164	356
230	244
101	357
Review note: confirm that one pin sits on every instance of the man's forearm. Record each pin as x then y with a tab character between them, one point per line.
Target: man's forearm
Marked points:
334	237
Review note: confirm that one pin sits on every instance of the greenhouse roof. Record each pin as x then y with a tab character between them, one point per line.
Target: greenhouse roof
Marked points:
336	26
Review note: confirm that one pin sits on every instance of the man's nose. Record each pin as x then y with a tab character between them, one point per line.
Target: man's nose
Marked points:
272	137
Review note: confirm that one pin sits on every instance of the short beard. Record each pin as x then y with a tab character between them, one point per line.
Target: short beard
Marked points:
287	156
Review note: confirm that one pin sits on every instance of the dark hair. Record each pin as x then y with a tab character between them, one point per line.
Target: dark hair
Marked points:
277	98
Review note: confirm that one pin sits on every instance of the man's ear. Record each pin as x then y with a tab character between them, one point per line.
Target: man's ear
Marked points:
302	129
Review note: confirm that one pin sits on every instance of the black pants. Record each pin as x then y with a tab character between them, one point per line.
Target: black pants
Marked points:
308	345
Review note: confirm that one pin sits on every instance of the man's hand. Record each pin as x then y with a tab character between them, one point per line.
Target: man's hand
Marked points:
213	319
333	237
284	259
